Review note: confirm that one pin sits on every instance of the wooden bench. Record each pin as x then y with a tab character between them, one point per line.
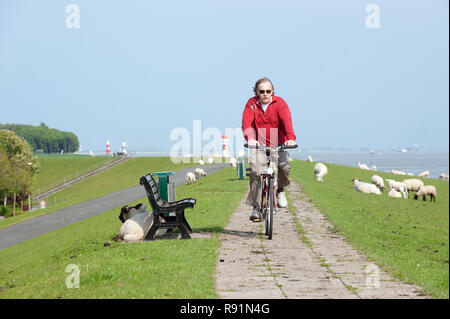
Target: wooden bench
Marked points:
171	212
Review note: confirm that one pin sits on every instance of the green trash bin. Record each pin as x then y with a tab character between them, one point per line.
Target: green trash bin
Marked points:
166	185
166	188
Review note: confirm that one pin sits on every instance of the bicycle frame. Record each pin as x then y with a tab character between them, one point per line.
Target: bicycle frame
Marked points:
269	186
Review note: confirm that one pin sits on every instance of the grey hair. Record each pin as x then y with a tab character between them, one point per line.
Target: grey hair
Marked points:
265	79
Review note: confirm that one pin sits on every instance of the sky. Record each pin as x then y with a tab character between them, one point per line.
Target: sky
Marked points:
355	74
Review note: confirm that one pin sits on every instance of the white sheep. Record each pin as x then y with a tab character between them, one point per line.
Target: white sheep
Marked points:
413	184
397	172
426	190
320	170
309	159
398	186
373	168
190	177
201	162
394	193
136	223
424	174
233	162
365	187
210	160
363	166
443	176
378	181
200	172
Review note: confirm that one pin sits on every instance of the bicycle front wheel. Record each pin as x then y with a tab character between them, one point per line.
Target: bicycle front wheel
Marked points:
269	219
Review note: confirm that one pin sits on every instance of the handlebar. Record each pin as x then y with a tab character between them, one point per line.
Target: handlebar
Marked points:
281	147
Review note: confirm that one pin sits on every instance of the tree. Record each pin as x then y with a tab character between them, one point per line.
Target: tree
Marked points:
44	138
18	165
4	169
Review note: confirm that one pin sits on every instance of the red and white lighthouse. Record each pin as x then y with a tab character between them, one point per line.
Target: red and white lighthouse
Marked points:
108	148
225	143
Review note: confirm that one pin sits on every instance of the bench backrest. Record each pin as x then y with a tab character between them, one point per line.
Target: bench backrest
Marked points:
152	190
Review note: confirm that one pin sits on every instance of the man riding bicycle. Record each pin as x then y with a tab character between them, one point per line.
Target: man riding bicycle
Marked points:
266	120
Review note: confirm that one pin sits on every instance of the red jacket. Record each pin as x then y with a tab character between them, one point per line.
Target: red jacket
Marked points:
271	128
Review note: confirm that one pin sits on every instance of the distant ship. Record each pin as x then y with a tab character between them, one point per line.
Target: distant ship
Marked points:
414	147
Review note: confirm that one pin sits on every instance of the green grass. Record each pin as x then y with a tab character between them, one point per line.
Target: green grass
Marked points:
156	269
56	168
121	176
298	225
408	238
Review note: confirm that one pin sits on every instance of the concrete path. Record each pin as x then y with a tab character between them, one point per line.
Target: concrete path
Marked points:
251	266
38	226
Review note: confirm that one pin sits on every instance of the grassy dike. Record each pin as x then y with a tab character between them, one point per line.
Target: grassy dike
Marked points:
408	238
156	269
56	168
121	176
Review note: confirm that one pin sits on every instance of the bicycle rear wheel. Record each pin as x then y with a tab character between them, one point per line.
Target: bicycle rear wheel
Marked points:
269	217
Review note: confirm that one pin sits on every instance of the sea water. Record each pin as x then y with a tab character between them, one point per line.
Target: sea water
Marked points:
415	162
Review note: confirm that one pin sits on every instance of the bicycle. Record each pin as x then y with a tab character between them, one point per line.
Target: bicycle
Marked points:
269	184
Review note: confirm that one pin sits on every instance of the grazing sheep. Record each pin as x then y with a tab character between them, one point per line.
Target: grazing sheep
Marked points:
373	168
413	184
201	162
398	186
426	190
365	187
363	166
309	159
136	223
424	174
233	162
210	160
320	170
397	172
378	181
190	177
394	193
443	176
200	172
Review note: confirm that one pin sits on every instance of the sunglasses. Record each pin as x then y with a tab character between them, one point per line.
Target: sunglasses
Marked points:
266	91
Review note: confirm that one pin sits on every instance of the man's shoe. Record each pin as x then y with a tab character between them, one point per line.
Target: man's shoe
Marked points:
282	201
255	216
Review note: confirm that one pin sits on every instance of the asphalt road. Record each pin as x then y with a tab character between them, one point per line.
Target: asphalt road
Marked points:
38	226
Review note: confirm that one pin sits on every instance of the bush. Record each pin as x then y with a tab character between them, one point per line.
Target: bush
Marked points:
4	210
